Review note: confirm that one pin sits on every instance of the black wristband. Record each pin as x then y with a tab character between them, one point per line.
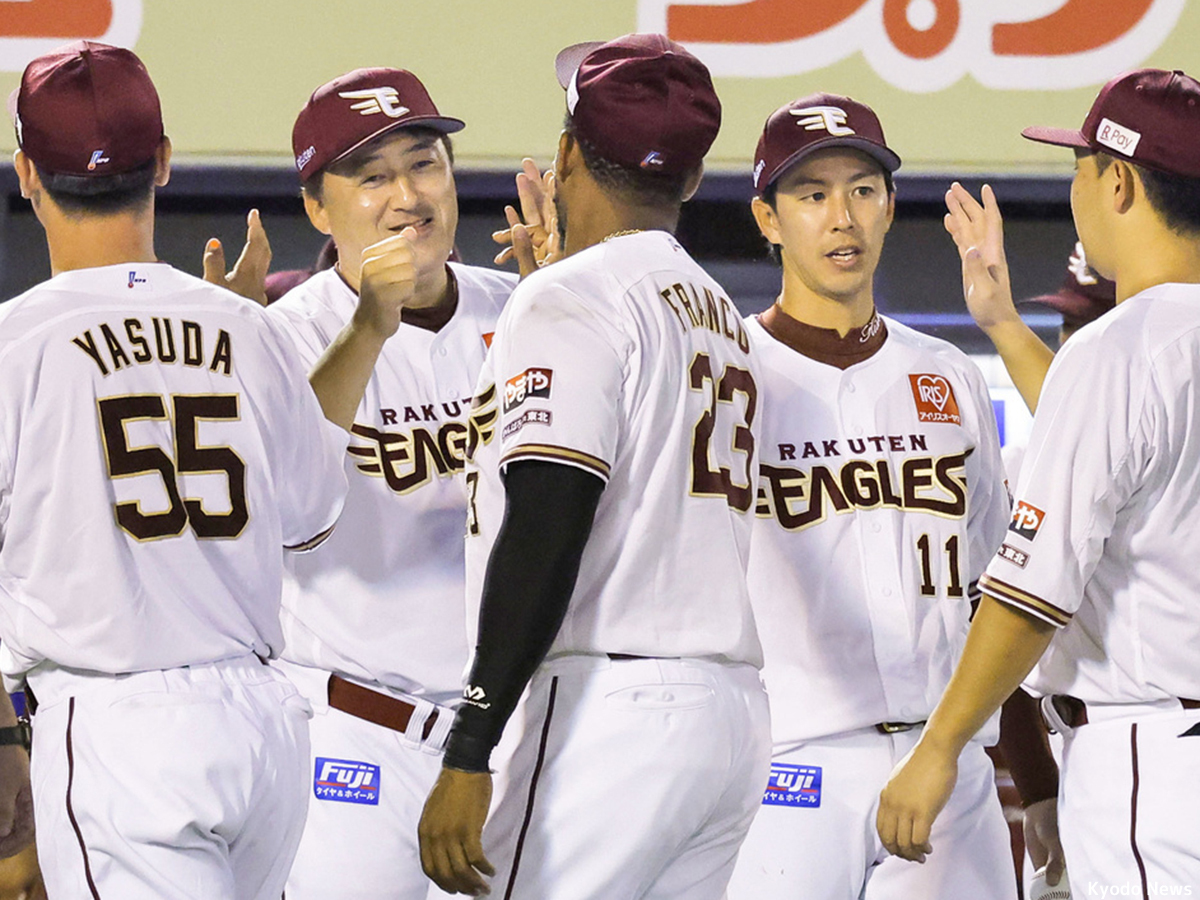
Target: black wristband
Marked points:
15	735
466	752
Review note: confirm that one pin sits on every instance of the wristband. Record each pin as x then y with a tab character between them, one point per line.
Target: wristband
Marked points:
18	735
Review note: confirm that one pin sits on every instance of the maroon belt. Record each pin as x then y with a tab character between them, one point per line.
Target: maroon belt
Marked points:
1074	711
372	706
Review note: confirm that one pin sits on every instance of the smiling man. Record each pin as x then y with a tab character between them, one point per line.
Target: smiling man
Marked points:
376	635
881	497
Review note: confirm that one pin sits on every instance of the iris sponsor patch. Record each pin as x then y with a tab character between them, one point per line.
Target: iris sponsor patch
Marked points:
346	781
793	786
1026	520
530	383
935	399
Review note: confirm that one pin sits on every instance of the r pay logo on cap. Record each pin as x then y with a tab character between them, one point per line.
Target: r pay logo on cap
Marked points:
1117	137
530	383
376	100
935	399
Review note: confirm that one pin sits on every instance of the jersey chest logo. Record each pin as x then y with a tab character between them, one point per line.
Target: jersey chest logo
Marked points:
530	383
935	399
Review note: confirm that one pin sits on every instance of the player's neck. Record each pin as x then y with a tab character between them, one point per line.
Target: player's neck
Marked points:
596	214
1153	256
90	241
843	314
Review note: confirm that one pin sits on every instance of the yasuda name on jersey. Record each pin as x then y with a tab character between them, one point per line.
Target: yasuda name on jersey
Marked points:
793	786
346	781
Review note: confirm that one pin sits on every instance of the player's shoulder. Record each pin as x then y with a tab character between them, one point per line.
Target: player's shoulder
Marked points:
324	294
480	283
921	346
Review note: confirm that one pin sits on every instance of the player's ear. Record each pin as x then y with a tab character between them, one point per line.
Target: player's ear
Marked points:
693	182
27	176
315	208
891	208
1126	185
162	162
767	219
564	159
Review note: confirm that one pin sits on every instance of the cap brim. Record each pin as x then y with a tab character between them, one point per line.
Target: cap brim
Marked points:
569	59
444	124
882	155
1071	304
1060	137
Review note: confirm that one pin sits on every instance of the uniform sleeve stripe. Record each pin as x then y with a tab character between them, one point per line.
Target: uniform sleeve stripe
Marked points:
1014	596
311	542
557	454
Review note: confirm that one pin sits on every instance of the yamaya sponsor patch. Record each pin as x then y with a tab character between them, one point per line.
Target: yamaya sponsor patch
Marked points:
530	383
1026	520
935	399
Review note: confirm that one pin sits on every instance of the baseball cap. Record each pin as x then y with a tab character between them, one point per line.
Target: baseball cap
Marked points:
641	100
354	108
87	109
1149	116
1084	295
814	123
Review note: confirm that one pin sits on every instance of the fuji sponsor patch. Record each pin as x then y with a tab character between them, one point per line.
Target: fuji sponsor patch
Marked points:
1011	554
1026	520
530	383
529	417
1117	137
935	399
346	781
793	786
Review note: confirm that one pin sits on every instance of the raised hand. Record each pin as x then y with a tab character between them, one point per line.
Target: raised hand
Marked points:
978	232
248	277
388	280
532	237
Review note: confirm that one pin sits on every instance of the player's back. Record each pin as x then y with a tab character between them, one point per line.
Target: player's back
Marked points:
158	448
628	361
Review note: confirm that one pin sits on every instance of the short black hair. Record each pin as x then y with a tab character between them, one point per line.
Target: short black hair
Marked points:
1174	197
632	184
353	161
770	195
101	194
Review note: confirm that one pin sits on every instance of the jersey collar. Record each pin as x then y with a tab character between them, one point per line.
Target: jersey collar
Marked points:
825	345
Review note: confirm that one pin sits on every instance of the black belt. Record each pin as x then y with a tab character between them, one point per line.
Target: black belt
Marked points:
372	706
1074	711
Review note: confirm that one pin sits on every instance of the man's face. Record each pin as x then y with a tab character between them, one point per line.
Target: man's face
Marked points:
1086	190
402	180
832	211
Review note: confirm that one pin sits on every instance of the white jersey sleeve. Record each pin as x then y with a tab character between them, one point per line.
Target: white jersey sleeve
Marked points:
582	357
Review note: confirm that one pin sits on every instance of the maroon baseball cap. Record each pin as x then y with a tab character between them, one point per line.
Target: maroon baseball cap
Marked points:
87	109
354	108
641	100
814	123
1084	295
1149	116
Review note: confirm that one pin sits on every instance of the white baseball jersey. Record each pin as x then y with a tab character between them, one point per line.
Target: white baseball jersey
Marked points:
627	360
881	500
159	444
382	599
1103	541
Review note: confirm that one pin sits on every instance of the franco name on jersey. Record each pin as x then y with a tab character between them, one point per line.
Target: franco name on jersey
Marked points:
926	483
716	314
133	342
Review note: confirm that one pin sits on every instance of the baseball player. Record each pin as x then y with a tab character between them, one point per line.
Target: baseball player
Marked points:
374	619
612	478
145	420
881	497
1094	578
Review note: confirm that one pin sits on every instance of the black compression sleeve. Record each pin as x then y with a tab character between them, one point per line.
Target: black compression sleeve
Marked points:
530	576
